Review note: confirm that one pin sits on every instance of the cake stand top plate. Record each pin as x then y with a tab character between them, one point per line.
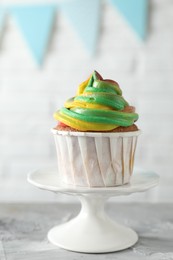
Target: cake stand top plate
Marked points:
48	179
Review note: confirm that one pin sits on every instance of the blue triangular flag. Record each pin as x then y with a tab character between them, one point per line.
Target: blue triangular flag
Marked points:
85	18
35	23
135	12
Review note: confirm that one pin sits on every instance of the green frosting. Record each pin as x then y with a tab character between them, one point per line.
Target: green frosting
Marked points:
99	102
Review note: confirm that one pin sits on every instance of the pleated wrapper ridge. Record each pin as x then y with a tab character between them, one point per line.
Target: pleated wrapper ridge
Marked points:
92	159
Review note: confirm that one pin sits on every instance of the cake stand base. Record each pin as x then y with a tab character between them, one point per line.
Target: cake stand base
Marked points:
92	231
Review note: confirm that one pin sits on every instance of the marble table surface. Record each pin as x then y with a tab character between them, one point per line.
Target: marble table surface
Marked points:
24	227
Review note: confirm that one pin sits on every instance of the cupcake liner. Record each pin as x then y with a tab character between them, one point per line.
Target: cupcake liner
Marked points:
95	159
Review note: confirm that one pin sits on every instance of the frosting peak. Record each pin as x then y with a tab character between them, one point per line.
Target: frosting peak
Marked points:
97	106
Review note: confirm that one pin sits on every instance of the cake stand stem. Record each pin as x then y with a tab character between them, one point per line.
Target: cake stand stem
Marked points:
92	231
93	208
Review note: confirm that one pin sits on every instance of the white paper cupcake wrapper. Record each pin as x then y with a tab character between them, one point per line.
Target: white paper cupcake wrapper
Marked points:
95	159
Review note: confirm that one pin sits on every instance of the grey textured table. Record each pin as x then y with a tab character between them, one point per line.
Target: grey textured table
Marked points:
24	227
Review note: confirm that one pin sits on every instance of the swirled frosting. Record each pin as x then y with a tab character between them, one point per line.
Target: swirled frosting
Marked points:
97	106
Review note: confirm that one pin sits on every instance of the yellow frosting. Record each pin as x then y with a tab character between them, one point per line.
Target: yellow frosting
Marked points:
97	106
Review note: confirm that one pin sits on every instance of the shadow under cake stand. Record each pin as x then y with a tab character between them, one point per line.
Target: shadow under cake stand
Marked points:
92	231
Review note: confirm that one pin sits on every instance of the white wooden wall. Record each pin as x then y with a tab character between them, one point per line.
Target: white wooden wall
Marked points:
29	95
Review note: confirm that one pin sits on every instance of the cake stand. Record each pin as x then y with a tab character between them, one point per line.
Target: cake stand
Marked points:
92	231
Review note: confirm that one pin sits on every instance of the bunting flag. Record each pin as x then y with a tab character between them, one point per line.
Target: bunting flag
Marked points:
135	12
35	23
85	18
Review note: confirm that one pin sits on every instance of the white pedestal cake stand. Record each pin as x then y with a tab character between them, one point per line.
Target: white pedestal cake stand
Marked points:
92	231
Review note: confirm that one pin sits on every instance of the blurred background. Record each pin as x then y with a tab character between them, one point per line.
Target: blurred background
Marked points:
33	85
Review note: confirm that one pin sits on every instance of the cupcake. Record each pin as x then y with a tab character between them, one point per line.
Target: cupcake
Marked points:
96	136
